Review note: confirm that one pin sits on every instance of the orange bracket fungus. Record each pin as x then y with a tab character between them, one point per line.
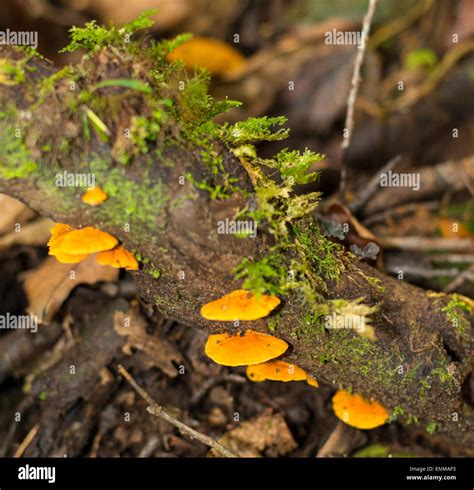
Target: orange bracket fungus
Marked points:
277	370
94	196
87	240
356	411
244	349
71	246
117	257
239	305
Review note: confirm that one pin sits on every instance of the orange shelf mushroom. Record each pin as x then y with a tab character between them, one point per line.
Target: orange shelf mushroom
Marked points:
94	196
276	370
58	232
244	349
117	257
312	381
86	240
356	411
71	246
65	258
239	305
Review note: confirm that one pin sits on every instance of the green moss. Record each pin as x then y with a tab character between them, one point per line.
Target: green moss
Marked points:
455	312
431	427
162	48
197	107
263	275
48	85
155	273
273	323
43	395
144	130
15	159
94	36
216	191
375	282
412	419
253	130
136	203
11	72
397	411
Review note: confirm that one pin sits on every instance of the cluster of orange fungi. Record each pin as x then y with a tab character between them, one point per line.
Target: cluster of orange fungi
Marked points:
259	352
71	246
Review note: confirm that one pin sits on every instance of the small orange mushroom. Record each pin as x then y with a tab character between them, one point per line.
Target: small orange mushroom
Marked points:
94	196
312	381
244	349
356	411
277	370
118	257
239	305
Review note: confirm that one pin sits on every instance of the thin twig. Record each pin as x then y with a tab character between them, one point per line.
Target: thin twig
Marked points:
390	30
149	448
374	184
421	272
412	96
424	244
399	211
340	441
159	411
457	282
355	82
26	441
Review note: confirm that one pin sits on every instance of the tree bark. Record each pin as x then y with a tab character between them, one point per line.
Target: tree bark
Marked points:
419	366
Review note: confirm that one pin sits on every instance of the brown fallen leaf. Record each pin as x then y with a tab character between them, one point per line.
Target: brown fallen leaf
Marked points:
34	233
12	212
265	435
159	351
49	285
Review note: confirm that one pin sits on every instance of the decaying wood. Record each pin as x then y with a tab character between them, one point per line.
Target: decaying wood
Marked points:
414	337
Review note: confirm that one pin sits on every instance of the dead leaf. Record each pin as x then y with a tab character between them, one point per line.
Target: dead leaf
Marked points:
49	285
159	351
265	435
35	233
12	212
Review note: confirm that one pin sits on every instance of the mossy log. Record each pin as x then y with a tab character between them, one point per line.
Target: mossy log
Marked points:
172	175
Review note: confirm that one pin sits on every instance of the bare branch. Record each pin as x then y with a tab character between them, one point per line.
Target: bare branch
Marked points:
157	410
355	82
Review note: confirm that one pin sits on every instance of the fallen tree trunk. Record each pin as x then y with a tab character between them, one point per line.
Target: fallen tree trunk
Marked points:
172	176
